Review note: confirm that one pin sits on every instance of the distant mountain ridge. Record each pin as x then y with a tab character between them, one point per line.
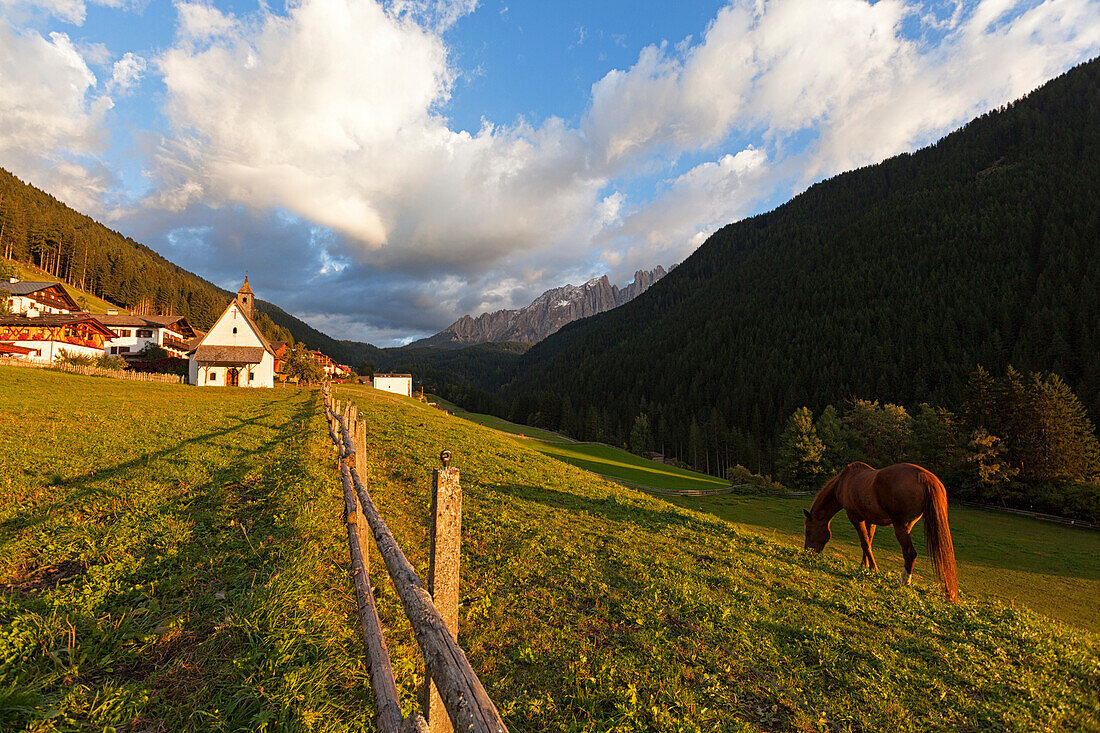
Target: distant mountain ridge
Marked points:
545	315
890	282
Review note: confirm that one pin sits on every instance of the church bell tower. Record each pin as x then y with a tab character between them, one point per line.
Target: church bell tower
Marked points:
245	296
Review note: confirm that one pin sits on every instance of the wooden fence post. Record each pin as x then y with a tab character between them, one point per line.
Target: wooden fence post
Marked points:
443	566
359	435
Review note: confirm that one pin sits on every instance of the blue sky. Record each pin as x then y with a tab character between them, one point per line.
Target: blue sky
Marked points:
382	169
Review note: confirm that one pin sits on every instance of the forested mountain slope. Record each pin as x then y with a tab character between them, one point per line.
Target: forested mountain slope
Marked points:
889	282
37	229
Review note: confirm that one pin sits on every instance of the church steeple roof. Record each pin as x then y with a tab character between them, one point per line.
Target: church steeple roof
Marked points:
246	289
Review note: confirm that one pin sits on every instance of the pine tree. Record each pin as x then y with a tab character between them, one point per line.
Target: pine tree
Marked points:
837	438
1054	439
641	440
801	453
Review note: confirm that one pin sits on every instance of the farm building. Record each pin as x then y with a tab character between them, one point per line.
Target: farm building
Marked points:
48	335
396	383
34	298
234	353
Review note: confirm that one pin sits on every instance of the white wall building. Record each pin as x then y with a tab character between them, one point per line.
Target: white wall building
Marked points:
47	336
36	298
396	383
135	332
234	353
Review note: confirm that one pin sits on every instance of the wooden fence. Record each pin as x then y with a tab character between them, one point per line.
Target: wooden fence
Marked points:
717	491
454	695
91	371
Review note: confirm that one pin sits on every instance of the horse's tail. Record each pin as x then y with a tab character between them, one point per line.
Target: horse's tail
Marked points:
938	535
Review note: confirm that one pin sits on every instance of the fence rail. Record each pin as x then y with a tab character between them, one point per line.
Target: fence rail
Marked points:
463	697
91	371
1081	523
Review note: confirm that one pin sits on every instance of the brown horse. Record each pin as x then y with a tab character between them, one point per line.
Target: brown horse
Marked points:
897	495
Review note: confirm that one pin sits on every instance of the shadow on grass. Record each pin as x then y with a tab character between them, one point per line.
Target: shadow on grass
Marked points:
611	508
206	585
81	486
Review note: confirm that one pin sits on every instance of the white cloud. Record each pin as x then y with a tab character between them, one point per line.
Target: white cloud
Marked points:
439	15
330	112
51	124
126	72
70	11
199	21
841	71
695	204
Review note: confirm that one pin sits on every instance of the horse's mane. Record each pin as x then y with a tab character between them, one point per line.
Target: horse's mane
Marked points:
828	491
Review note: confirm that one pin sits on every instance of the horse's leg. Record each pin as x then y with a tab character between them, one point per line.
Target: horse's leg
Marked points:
868	560
908	552
871	538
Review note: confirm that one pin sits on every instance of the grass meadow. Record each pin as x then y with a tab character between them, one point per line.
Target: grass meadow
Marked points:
595	457
172	558
593	607
1050	568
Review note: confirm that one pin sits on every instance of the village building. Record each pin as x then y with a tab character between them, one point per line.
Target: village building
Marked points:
134	333
49	336
11	351
328	366
35	298
234	353
282	351
396	383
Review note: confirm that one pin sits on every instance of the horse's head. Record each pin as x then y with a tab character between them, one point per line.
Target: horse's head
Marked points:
817	532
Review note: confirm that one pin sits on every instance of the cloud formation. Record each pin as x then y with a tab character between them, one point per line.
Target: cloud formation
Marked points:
51	123
315	140
331	112
841	73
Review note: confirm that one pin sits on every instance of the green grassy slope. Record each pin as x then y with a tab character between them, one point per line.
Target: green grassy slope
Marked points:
590	606
1050	568
171	558
604	460
90	302
624	466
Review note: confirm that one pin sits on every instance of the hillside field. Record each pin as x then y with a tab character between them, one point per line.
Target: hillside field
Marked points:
605	460
594	602
1050	568
172	558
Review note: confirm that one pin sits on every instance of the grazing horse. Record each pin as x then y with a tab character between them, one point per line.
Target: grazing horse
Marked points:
897	495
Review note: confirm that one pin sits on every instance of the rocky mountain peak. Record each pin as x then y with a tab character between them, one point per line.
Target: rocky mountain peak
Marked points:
546	313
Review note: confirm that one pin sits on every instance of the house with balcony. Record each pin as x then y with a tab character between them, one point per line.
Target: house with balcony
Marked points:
45	337
37	297
328	366
134	333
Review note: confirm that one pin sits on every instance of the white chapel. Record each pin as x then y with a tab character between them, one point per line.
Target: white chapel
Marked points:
234	353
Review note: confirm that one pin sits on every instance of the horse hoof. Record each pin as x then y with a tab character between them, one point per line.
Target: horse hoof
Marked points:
906	578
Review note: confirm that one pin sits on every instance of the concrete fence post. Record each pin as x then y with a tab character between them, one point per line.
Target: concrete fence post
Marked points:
443	567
